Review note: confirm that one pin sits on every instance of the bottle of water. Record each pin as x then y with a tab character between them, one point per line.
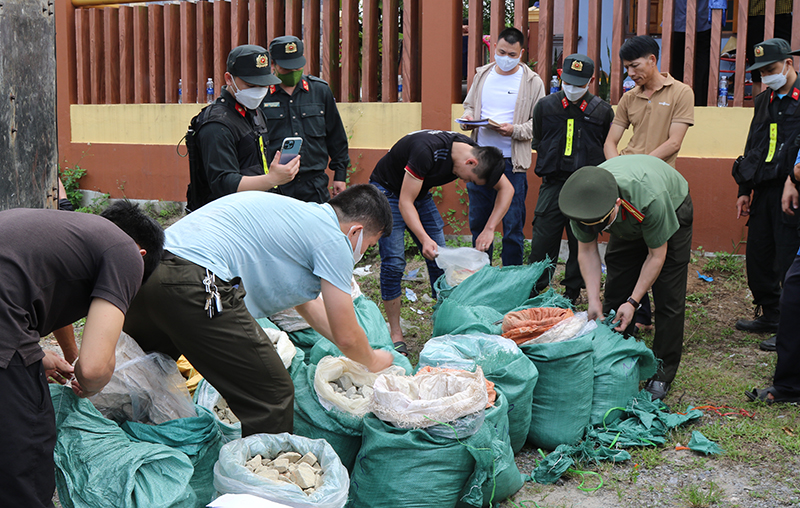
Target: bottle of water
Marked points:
209	91
722	100
180	91
554	84
628	85
399	88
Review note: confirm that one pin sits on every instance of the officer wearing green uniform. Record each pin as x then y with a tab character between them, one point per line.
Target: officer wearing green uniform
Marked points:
226	140
645	206
303	106
569	130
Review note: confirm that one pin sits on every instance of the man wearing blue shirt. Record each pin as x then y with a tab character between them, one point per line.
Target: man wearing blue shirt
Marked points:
285	252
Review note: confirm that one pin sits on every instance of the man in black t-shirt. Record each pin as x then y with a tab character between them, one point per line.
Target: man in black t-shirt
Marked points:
419	161
57	268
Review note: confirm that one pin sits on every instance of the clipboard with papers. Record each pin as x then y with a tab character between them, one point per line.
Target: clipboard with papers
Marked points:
481	122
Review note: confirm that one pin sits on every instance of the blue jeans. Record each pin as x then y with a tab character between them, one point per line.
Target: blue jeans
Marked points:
392	248
481	204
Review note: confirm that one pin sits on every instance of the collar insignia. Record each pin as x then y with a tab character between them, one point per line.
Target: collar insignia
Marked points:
564	102
583	105
305	85
636	214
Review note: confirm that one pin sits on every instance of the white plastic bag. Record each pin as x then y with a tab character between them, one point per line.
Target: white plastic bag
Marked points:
331	368
144	388
283	345
231	476
459	263
429	398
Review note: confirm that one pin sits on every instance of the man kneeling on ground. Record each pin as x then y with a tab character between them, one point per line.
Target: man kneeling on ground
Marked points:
285	252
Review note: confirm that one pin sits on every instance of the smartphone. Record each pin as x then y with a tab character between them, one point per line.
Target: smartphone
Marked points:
290	148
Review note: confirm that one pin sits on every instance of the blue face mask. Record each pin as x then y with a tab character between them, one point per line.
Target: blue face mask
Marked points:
505	63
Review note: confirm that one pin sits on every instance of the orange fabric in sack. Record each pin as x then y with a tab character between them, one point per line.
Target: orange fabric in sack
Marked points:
526	324
489	385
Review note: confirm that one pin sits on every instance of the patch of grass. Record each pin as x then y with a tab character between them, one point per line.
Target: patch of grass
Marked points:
731	265
703	496
647	457
97	205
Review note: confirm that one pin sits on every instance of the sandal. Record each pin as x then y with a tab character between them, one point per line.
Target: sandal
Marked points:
400	347
764	396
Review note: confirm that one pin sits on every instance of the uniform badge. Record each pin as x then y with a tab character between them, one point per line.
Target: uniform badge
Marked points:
795	93
583	105
305	85
564	102
759	51
291	47
577	66
271	89
272	104
262	61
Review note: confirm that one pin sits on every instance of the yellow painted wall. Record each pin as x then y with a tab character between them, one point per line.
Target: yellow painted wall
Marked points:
368	125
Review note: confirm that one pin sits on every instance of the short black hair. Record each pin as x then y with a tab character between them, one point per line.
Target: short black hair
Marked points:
638	46
512	36
491	164
365	204
145	231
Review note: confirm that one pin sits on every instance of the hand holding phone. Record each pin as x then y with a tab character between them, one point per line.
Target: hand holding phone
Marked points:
290	148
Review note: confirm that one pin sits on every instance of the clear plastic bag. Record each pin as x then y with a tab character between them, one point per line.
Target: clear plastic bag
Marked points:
459	263
144	388
429	398
231	476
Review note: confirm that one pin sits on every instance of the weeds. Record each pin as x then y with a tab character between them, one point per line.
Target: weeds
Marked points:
702	496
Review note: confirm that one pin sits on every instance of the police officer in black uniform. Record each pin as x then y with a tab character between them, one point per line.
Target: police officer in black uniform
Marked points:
303	106
227	139
766	194
569	129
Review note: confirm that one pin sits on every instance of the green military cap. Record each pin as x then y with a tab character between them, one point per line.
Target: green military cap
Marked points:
577	70
770	51
588	195
250	63
287	51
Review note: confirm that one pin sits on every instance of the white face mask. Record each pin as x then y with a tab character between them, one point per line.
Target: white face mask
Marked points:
251	97
775	81
573	92
506	63
357	254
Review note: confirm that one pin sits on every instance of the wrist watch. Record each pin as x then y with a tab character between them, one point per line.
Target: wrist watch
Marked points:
636	305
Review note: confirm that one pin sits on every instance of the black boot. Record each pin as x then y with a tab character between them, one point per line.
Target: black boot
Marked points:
762	323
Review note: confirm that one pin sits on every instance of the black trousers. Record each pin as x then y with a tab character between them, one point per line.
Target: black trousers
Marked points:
624	260
787	372
309	186
548	225
772	243
28	436
702	60
230	350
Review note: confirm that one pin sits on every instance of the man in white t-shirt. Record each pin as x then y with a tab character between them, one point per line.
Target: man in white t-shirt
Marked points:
285	253
505	92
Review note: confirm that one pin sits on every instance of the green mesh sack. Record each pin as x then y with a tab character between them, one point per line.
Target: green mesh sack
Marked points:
502	363
443	290
505	479
371	320
304	340
340	429
619	365
562	398
411	468
198	437
454	318
98	465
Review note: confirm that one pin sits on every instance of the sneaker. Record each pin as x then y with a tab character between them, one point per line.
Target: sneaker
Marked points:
760	324
769	345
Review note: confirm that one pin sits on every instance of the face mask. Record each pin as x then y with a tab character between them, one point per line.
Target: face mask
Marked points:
506	63
357	254
290	78
251	97
574	93
775	81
